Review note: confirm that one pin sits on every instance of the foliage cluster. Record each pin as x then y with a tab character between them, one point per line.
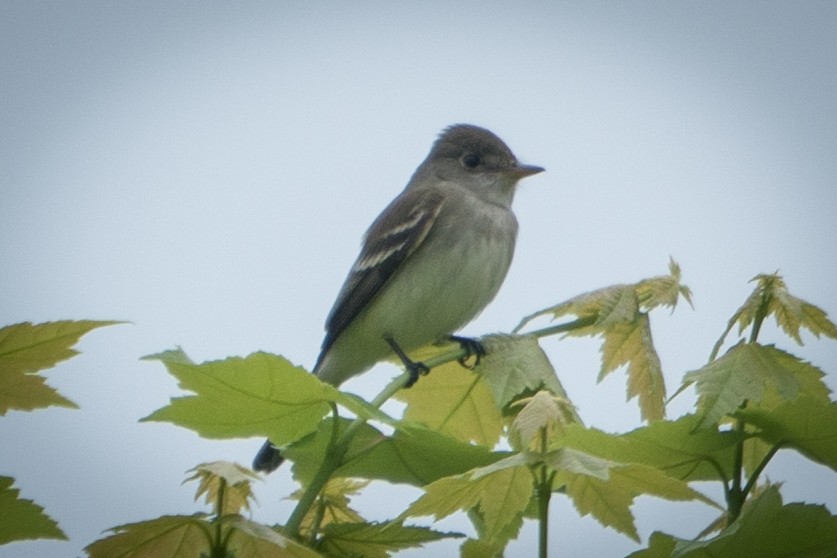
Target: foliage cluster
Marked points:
496	439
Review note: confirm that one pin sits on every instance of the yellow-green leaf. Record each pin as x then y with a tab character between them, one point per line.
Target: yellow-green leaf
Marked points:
675	447
753	373
376	540
254	540
609	503
501	493
805	424
260	395
619	303
26	349
23	519
332	505
226	484
664	290
515	365
412	454
771	296
630	343
172	536
542	416
765	529
609	499
454	401
619	315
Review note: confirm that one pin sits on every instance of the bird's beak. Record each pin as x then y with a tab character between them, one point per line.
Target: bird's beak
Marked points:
522	171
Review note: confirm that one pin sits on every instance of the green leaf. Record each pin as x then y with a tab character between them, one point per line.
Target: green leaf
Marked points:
169	536
516	365
454	401
260	395
375	540
26	349
480	548
568	460
765	529
226	483
805	424
502	494
254	540
751	373
674	447
412	455
23	519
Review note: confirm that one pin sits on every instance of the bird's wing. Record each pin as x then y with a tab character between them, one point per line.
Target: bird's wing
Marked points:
391	239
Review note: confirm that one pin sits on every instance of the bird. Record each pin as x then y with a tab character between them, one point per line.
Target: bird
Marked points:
429	264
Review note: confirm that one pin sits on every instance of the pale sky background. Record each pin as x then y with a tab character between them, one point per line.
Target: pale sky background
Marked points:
206	170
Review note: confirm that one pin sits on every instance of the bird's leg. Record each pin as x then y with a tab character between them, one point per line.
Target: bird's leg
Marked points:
473	346
415	369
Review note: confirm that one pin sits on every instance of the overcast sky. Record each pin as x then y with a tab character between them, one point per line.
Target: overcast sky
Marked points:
206	171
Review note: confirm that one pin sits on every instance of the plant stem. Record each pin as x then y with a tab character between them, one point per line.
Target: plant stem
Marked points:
333	459
219	546
736	496
336	451
751	482
544	495
758	319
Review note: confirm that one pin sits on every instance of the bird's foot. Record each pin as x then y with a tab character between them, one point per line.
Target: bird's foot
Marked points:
473	346
415	369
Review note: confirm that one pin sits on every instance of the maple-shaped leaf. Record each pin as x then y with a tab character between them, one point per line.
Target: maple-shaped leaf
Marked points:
629	343
454	401
412	454
185	536
606	489
674	447
480	548
501	491
542	416
664	290
254	540
805	424
751	373
26	349
226	486
168	536
332	505
260	395
510	531
22	519
515	365
619	315
771	297
765	529
619	303
376	540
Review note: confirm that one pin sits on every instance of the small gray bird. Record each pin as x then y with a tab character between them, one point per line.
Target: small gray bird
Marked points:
430	262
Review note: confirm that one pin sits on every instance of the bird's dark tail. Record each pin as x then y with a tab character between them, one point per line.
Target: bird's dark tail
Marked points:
268	459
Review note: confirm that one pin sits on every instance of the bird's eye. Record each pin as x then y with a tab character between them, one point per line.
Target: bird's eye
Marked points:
471	161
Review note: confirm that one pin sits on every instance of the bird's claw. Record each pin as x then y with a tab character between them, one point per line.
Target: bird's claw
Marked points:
416	370
473	346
